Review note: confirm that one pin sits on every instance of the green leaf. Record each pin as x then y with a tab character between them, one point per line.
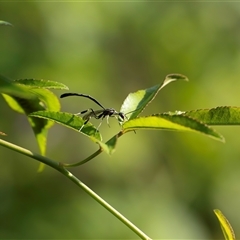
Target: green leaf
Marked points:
75	122
17	94
19	97
3	134
136	102
225	225
39	126
169	121
5	23
71	121
13	103
44	100
8	86
226	115
36	83
111	144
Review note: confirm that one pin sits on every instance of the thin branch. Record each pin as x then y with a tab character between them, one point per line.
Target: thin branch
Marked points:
70	176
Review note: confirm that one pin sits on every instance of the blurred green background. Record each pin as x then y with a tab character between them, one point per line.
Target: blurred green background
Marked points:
167	183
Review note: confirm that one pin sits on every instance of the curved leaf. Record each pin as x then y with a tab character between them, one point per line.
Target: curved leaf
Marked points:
5	23
171	122
36	83
135	102
75	122
44	100
8	86
225	115
112	143
41	99
13	103
47	99
71	121
225	225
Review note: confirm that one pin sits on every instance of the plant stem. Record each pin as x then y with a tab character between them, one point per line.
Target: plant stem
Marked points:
31	154
70	176
68	165
100	150
107	206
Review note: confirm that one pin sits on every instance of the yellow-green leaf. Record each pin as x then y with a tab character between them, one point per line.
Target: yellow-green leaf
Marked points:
136	102
41	83
74	122
171	122
225	115
225	225
5	23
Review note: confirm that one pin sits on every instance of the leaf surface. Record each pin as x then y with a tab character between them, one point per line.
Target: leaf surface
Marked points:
5	23
171	122
136	102
225	115
30	95
71	121
75	122
36	83
225	225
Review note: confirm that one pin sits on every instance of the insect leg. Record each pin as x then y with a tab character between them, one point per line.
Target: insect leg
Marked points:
82	112
99	125
86	117
108	121
103	115
86	121
80	129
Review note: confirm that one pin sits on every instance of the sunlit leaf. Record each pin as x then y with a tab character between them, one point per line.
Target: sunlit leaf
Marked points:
8	86
135	102
71	121
5	23
74	122
225	225
112	143
225	115
171	122
29	95
35	83
13	103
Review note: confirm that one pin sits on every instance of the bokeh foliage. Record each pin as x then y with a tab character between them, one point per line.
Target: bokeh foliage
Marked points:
160	180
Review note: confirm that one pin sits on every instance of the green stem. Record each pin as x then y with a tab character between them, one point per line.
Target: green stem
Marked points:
74	179
107	206
30	154
68	165
100	150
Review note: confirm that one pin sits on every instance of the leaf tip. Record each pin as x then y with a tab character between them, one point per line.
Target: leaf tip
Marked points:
177	76
223	140
5	23
225	225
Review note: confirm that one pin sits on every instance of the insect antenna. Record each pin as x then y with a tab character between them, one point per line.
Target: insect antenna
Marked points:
98	114
82	95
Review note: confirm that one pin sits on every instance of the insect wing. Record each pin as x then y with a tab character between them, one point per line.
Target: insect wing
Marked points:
92	113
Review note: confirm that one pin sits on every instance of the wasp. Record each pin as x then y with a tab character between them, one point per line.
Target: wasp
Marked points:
97	114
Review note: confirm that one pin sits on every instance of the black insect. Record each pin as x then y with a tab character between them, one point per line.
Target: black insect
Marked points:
98	114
